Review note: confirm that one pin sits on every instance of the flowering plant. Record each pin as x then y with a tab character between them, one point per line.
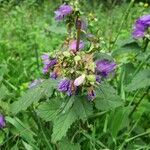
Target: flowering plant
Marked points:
75	64
77	85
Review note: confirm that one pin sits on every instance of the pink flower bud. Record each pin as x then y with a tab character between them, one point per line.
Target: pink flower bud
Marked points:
78	81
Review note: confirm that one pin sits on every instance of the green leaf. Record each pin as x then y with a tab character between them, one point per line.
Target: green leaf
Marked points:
3	92
61	125
49	110
107	98
34	95
27	146
83	108
118	120
130	48
22	129
63	114
67	145
141	80
127	52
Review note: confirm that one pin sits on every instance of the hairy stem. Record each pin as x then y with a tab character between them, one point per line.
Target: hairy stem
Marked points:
78	24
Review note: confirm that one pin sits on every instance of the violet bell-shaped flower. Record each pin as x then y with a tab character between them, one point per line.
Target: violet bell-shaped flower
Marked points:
63	11
105	67
141	26
2	122
48	63
63	85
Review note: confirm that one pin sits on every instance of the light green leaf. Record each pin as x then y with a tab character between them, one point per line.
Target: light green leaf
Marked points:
49	110
22	129
27	146
118	120
34	95
61	125
107	98
83	108
141	80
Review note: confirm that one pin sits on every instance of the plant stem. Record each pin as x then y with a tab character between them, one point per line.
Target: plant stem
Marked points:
139	135
35	117
78	24
37	59
139	102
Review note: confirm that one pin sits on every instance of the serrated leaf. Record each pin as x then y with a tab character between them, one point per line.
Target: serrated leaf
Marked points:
68	104
118	119
107	98
34	95
141	80
67	145
61	125
83	108
76	108
49	110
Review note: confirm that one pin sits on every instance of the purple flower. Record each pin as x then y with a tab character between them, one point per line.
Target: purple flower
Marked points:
45	57
91	95
73	45
35	82
2	122
53	75
141	26
63	11
48	64
70	91
63	85
105	67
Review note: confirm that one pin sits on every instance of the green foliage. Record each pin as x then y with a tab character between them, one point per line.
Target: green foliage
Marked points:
141	80
53	121
65	144
118	120
107	98
34	95
62	120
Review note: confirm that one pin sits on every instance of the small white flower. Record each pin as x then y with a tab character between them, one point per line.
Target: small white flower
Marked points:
78	81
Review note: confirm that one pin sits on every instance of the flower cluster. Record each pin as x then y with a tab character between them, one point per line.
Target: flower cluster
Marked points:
141	26
77	68
2	122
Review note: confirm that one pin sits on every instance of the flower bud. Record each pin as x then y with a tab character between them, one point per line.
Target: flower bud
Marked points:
78	81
